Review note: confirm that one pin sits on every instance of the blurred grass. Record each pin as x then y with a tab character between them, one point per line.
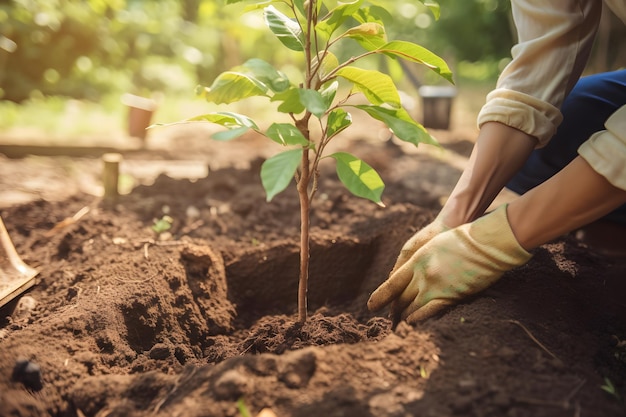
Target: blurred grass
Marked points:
70	118
60	116
66	117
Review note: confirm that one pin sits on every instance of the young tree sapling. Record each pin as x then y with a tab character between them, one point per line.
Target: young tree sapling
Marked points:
313	29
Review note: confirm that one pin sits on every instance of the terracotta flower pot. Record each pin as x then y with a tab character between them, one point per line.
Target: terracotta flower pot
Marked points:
140	111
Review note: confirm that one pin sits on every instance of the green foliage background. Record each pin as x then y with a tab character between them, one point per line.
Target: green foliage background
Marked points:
88	48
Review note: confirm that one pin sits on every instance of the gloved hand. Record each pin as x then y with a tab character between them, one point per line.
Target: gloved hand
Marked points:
418	240
454	264
411	246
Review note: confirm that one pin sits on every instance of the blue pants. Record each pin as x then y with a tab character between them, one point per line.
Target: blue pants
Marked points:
586	108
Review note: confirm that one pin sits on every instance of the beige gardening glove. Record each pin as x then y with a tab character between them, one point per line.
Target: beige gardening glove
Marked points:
418	240
453	265
411	246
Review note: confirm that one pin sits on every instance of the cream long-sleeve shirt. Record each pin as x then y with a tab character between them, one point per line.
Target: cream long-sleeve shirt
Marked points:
555	39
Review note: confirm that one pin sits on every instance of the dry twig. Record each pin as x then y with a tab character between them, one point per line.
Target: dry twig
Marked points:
68	221
151	242
534	339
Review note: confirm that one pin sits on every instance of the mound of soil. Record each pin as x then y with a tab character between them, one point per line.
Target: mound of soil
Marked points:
200	320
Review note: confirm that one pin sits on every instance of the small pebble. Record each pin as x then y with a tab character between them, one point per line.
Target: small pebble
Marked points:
192	212
160	351
230	385
28	373
24	308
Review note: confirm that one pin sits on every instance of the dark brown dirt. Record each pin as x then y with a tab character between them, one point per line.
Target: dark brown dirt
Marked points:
127	324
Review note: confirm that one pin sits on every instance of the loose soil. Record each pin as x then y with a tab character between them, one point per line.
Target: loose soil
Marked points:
200	321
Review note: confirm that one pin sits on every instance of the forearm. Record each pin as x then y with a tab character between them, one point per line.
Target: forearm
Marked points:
500	151
554	41
574	197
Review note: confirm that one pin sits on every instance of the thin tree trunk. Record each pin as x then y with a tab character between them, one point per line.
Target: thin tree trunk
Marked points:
303	186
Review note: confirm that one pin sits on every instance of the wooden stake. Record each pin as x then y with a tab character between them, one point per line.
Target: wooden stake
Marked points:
111	175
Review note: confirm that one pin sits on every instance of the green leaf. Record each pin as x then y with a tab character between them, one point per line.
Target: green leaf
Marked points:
608	386
290	101
337	121
296	100
237	124
287	30
329	63
278	171
358	177
259	5
265	73
163	224
226	119
374	14
231	86
230	134
400	123
313	101
370	36
329	93
243	410
300	6
416	53
433	7
377	87
286	134
337	17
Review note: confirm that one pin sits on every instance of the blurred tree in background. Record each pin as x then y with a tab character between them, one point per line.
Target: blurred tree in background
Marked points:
83	49
88	48
475	37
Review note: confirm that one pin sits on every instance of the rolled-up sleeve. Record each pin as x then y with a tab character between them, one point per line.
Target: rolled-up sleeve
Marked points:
554	42
605	151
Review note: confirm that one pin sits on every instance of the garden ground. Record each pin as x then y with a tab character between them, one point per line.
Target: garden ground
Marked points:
200	320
